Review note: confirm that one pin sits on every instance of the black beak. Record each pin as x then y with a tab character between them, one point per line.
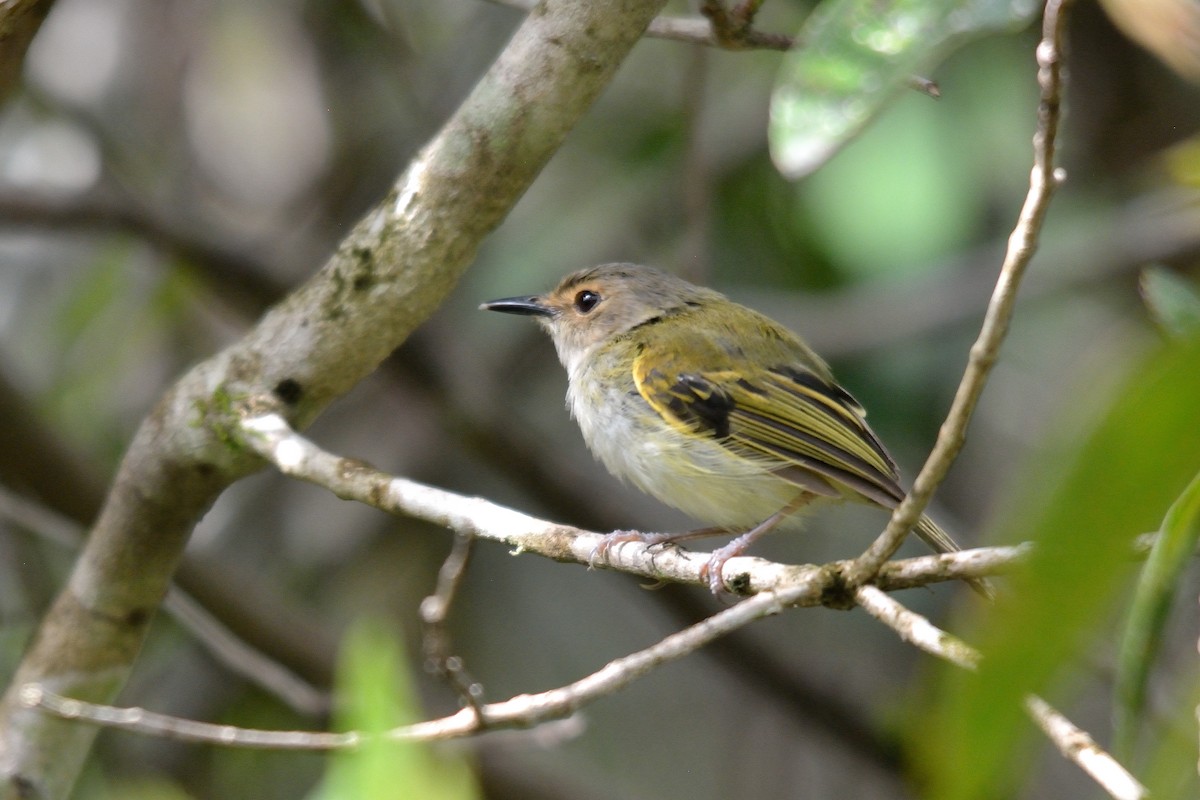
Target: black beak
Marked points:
526	306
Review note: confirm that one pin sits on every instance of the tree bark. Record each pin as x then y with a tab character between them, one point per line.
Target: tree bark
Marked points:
388	275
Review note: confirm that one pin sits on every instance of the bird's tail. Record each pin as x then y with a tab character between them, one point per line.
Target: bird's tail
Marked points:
933	535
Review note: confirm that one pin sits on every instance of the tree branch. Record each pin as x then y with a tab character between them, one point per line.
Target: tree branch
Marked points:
1022	244
529	710
694	30
222	644
351	479
1074	744
518	712
390	272
270	435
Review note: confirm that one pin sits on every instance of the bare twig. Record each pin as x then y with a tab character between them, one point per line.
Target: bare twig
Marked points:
139	720
270	435
916	629
435	639
236	654
1079	748
518	712
1044	178
1074	744
528	710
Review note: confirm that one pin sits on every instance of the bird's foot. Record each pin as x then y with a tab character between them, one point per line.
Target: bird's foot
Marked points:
615	538
713	571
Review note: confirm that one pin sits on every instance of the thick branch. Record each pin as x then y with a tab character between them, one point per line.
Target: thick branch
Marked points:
392	270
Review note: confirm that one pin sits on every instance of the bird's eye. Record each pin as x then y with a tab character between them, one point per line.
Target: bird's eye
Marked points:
586	300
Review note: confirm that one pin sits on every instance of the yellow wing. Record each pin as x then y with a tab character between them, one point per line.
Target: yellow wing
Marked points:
806	427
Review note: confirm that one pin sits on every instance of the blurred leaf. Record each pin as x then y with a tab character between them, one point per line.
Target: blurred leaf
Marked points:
914	210
1171	773
1173	300
854	54
1131	466
93	294
375	697
1170	29
146	788
1152	600
1182	162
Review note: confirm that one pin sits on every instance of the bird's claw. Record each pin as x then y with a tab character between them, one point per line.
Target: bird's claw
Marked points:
712	573
611	540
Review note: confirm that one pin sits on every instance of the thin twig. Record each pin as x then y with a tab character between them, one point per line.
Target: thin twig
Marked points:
241	658
270	435
139	720
1022	244
522	711
916	629
1079	748
1074	744
528	710
234	653
435	638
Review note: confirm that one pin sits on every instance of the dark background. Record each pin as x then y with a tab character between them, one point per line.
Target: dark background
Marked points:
172	168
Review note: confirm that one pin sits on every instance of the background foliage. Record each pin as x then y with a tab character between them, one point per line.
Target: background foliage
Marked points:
171	168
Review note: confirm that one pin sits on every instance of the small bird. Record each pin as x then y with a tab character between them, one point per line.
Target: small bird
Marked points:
709	406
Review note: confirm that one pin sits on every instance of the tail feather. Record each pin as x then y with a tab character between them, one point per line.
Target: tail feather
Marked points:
940	541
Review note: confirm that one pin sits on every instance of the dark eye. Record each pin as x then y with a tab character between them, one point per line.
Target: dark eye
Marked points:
586	300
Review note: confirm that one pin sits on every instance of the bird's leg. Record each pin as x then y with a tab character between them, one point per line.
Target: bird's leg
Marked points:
712	571
648	539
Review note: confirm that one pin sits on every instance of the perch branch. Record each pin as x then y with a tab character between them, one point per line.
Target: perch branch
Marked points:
350	479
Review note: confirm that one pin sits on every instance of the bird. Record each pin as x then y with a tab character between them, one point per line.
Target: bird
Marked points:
711	407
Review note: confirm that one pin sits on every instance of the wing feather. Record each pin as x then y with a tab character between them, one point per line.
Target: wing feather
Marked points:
806	428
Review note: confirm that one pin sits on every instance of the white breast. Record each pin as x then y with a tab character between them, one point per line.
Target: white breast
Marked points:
696	475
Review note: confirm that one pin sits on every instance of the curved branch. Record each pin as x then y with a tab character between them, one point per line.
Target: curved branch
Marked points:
351	479
390	272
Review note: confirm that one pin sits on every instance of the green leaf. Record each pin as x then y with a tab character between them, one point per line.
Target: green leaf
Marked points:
375	696
851	58
1173	301
1171	771
1174	548
1083	514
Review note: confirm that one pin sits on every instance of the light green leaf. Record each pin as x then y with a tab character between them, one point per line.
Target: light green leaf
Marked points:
1173	301
1174	548
1083	511
376	696
851	57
